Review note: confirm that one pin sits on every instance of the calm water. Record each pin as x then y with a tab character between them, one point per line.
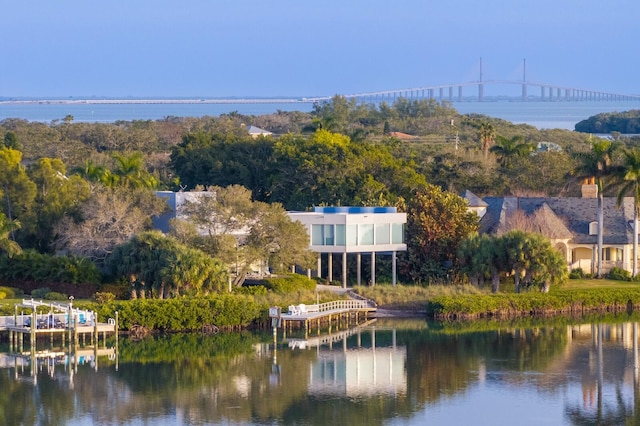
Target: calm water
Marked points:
391	372
560	115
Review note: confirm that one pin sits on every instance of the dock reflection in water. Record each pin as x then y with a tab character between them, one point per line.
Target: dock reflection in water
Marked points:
390	371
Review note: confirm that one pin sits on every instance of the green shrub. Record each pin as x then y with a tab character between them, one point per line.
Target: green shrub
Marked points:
180	314
9	293
40	293
33	266
104	297
259	290
576	274
619	274
290	283
54	295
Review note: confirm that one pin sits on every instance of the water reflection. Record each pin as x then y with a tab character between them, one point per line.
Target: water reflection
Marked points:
388	372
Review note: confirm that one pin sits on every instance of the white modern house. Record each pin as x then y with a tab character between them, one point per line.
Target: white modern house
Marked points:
354	231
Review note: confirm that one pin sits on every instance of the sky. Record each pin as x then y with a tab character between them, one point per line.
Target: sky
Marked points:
298	48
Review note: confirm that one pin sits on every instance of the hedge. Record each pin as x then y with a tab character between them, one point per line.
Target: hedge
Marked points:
575	301
224	311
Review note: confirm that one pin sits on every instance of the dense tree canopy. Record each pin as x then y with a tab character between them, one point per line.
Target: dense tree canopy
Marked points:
437	221
527	257
242	232
158	266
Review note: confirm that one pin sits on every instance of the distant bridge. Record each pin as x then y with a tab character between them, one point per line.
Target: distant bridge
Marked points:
456	93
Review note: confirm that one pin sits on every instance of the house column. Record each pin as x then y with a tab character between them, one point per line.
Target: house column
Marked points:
358	266
373	268
330	265
344	271
319	274
393	267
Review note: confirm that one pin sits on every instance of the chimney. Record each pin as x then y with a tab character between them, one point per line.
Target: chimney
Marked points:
589	188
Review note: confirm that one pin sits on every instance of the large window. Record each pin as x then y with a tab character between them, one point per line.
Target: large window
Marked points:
328	235
317	235
352	235
383	233
365	234
341	237
397	233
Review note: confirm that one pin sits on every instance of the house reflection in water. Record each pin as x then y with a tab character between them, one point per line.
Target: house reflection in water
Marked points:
359	371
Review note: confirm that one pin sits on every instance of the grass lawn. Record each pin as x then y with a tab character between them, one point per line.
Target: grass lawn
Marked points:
416	297
586	284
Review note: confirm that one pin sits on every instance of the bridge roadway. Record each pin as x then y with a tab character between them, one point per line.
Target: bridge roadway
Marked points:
454	92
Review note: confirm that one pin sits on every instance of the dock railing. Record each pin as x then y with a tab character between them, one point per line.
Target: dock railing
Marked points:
336	305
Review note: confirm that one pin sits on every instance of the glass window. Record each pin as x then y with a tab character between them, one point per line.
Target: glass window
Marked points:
383	234
328	235
341	237
317	237
365	234
352	235
397	233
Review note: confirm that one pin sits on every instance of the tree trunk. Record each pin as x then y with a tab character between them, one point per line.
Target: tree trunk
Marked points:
495	280
600	231
545	286
635	240
516	279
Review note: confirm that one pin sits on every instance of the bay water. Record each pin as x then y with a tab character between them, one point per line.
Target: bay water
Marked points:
543	115
388	372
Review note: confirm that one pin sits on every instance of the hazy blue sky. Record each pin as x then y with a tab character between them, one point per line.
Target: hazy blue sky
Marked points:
225	48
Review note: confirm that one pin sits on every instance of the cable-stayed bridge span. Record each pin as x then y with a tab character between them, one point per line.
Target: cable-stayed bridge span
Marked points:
475	91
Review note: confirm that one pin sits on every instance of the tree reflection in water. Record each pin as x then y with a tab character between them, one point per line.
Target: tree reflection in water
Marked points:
392	370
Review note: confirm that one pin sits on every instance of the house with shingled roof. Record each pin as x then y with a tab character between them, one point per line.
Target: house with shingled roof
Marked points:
570	223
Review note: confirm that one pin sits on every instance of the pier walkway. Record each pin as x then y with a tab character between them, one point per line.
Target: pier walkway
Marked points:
338	312
53	318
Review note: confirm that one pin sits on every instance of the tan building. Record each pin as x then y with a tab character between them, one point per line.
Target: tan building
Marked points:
571	223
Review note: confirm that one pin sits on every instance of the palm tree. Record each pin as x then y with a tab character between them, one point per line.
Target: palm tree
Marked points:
506	149
596	164
515	245
628	176
6	229
487	137
131	173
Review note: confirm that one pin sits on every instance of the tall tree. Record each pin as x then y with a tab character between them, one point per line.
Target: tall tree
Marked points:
106	219
245	232
57	195
627	175
596	164
487	133
130	172
437	221
506	149
7	227
16	189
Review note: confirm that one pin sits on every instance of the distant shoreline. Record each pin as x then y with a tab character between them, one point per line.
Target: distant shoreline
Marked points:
159	101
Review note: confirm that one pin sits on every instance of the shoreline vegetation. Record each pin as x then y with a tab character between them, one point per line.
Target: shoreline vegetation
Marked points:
63	182
452	303
447	304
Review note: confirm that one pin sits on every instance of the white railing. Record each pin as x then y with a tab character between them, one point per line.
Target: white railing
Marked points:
336	305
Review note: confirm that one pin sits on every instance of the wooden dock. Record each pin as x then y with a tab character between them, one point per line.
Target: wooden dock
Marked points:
58	320
341	313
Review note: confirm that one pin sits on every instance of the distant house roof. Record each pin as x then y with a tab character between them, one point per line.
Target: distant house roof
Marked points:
401	135
473	199
562	218
257	131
